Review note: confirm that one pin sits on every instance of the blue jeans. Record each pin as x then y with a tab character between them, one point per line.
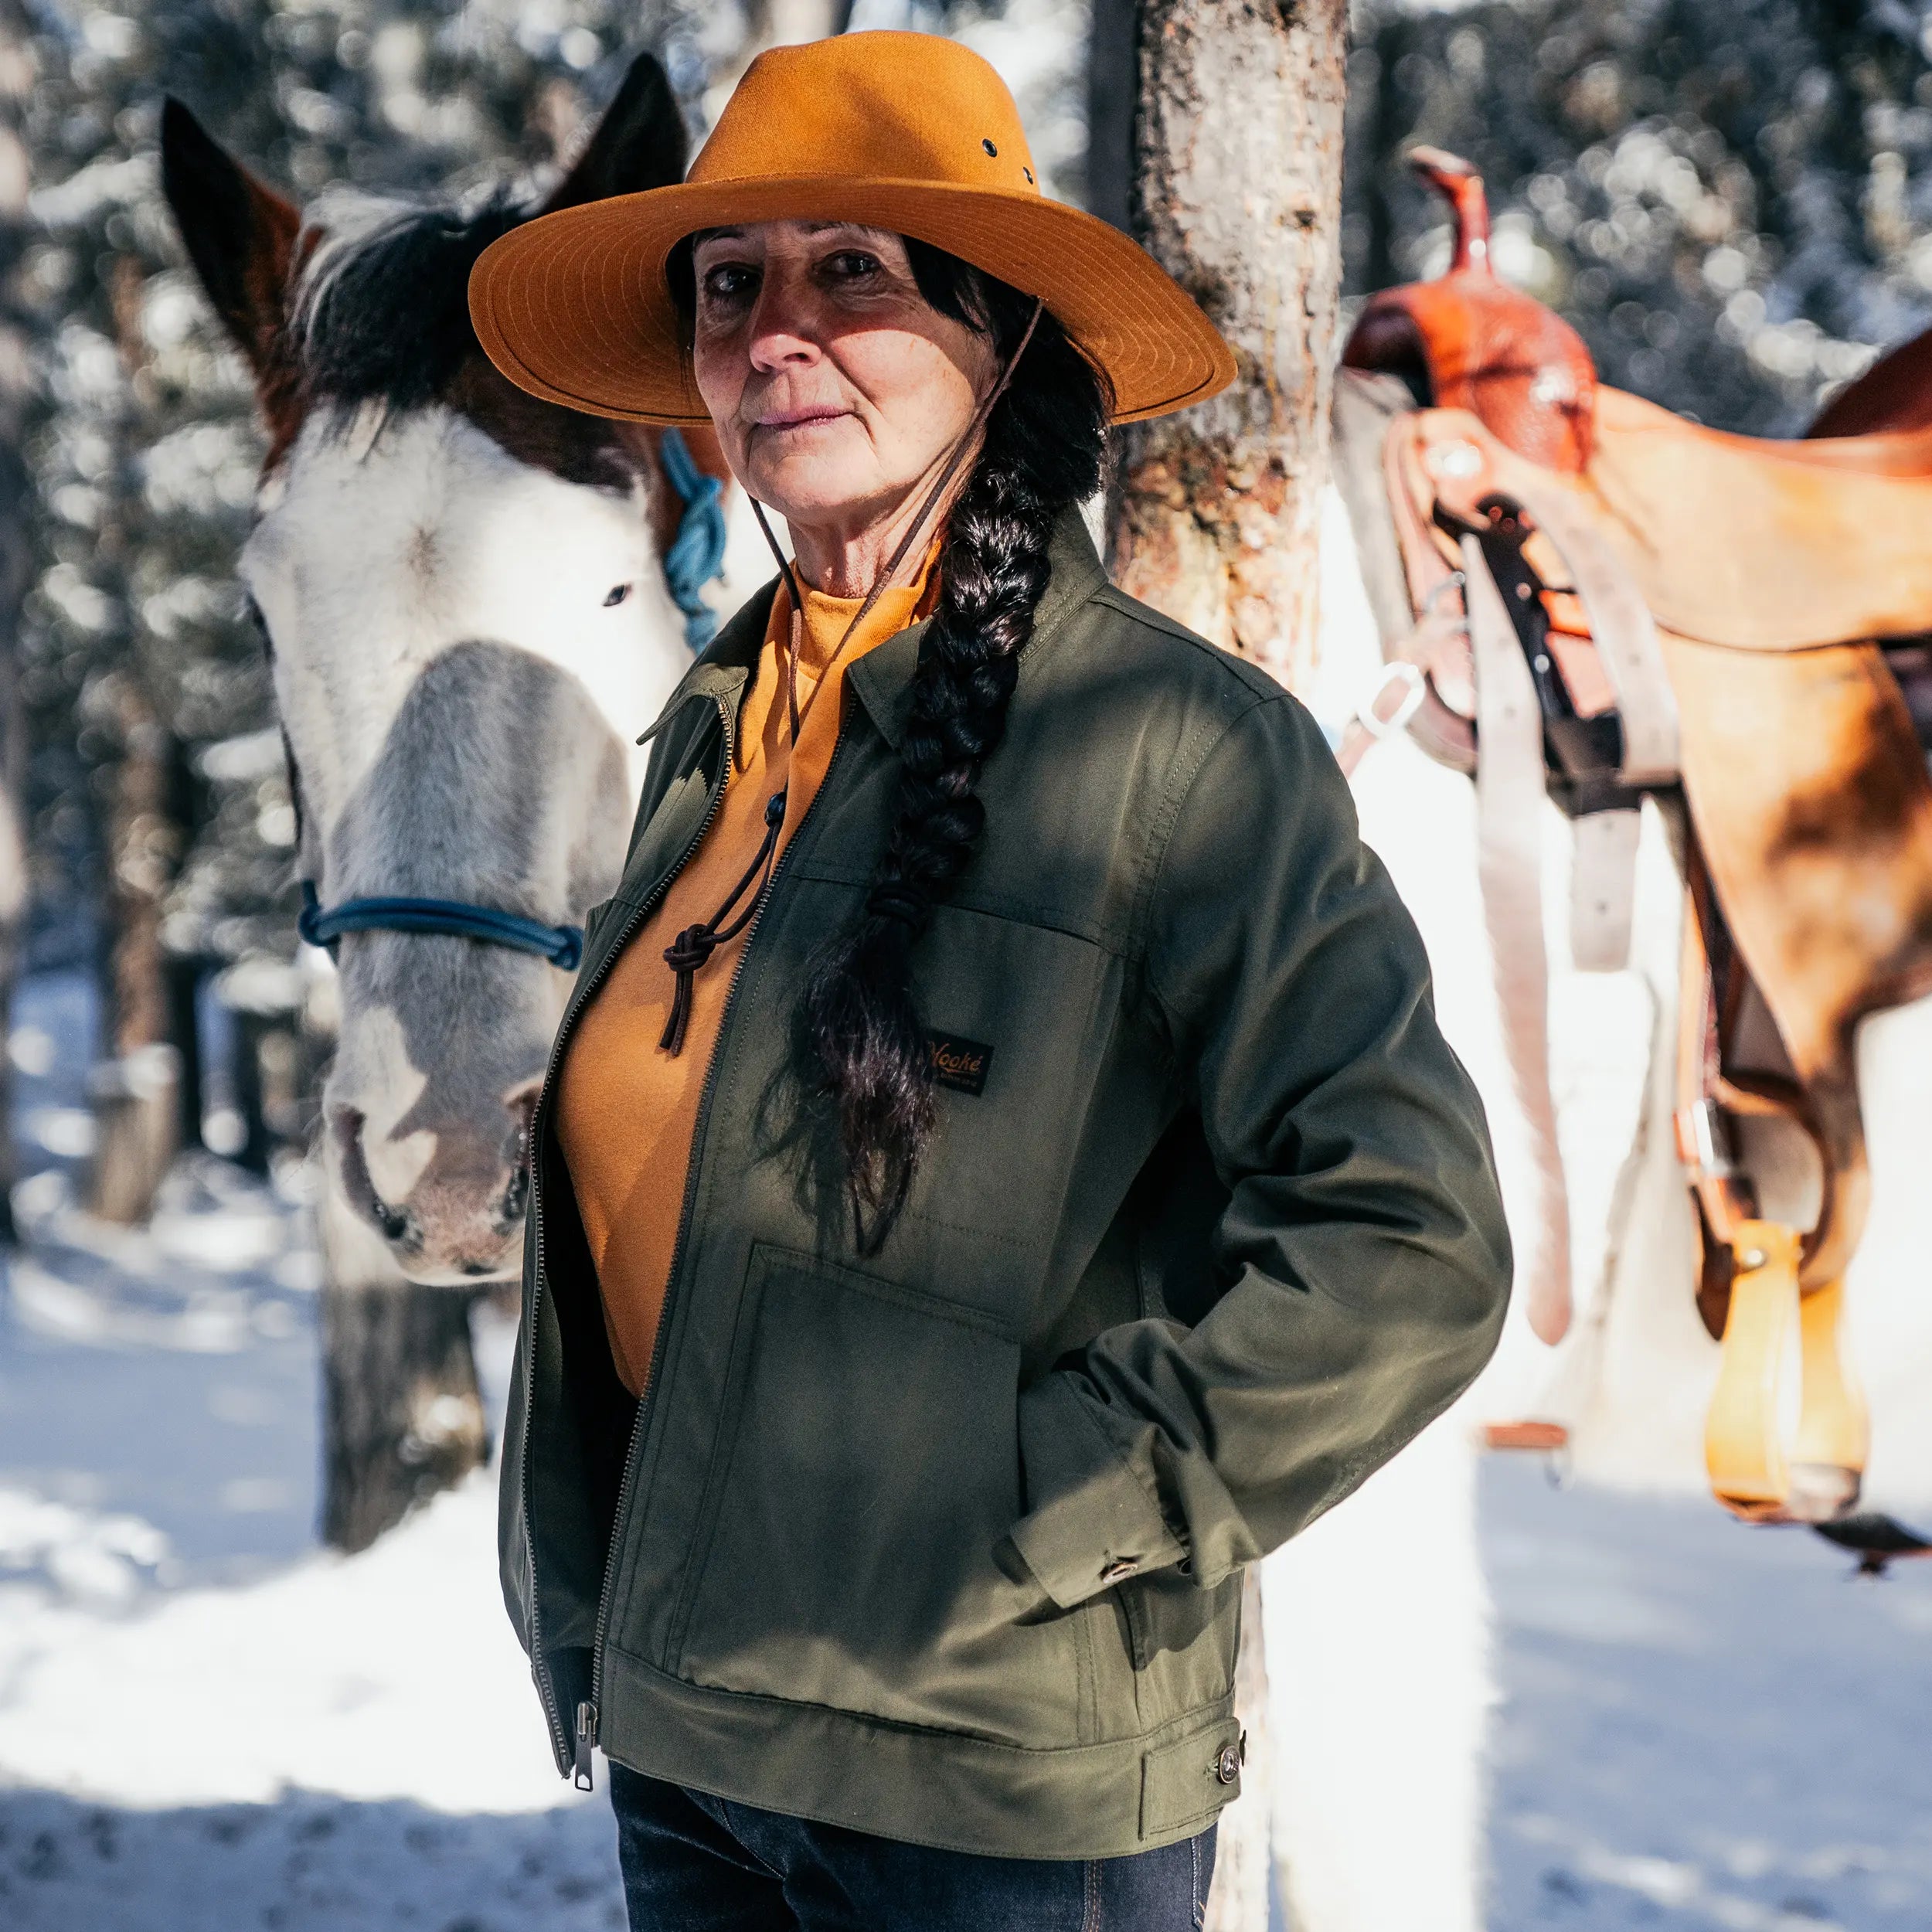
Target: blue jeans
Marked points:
693	1863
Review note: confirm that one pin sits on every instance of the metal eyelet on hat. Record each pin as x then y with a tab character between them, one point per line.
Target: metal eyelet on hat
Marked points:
990	148
1029	173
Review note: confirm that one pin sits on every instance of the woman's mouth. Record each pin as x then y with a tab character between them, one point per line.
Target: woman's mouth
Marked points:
797	419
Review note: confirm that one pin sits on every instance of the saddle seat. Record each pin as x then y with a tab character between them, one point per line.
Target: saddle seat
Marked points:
1734	540
1765	546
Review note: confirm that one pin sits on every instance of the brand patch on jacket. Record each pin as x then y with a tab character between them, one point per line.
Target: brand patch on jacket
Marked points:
960	1064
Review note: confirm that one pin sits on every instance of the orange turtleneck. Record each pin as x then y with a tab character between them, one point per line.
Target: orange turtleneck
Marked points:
627	1109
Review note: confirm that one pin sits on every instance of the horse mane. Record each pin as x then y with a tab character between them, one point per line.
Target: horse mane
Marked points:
381	313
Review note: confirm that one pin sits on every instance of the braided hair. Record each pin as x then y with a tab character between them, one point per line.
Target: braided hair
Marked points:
1042	451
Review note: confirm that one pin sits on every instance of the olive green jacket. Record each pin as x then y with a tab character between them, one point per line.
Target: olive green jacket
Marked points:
945	1543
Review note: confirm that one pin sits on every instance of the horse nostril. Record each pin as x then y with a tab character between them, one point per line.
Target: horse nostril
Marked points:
395	1225
521	1103
516	1196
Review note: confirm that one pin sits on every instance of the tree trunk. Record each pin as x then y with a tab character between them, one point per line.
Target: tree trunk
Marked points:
1229	143
16	556
135	1088
403	1416
1237	193
402	1413
138	1089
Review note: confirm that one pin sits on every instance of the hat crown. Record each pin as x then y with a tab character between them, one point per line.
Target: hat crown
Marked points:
881	106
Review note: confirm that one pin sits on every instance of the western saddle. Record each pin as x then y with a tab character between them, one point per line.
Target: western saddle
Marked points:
1582	593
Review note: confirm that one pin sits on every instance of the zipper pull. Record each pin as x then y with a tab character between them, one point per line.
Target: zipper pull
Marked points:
587	1736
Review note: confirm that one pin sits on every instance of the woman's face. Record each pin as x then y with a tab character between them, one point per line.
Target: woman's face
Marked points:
837	389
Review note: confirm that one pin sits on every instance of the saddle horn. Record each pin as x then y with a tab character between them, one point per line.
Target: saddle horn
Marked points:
1458	184
1467	340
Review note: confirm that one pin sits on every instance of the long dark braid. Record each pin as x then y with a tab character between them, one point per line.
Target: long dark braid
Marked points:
1043	449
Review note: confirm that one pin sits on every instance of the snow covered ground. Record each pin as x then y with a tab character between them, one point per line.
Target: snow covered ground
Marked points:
205	1722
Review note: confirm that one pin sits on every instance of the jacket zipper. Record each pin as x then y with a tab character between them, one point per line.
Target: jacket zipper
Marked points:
577	1750
588	1714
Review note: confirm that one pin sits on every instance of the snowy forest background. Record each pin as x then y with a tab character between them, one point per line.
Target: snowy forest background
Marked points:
1733	203
1732	199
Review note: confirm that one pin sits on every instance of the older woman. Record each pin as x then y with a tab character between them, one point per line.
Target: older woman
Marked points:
1000	1174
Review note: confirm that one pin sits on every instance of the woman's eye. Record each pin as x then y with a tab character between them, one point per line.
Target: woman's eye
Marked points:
854	264
729	282
618	592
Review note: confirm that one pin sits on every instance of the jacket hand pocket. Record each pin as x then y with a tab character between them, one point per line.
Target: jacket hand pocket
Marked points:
872	1464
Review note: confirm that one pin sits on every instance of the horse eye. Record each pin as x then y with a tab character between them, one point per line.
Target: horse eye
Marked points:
252	613
618	592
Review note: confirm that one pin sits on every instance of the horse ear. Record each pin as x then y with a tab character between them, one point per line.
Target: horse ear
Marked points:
240	234
640	143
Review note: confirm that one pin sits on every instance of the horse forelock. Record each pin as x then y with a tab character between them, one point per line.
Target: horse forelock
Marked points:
381	312
379	327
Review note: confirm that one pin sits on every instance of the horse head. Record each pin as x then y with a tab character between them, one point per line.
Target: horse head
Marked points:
463	594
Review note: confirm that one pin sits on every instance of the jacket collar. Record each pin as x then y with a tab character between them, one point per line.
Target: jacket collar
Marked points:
883	679
727	662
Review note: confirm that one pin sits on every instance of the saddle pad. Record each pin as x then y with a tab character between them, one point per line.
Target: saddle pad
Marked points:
1741	542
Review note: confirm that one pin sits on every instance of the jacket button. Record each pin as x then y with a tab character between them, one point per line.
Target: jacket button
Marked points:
1227	1767
1120	1567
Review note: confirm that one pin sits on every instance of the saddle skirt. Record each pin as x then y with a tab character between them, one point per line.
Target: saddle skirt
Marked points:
1764	545
1799	761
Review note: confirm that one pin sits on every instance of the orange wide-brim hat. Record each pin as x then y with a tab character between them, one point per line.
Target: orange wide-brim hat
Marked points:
904	131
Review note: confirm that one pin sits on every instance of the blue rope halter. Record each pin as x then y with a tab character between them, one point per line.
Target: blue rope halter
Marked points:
561	945
695	556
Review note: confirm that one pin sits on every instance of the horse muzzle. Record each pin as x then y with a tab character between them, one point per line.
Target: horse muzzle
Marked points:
459	1222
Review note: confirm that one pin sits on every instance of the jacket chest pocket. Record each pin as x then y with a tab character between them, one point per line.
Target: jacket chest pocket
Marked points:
1018	1017
868	1464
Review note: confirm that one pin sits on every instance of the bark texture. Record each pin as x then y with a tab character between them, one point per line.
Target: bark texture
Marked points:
402	1417
1233	142
1237	193
16	555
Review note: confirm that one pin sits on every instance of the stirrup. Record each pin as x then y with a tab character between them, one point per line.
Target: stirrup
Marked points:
1754	1473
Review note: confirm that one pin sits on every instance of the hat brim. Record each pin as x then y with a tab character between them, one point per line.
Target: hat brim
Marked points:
574	307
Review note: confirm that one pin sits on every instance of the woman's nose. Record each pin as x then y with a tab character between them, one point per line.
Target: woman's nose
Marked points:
782	332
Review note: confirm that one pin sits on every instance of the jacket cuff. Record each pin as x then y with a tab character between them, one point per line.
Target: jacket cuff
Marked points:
1091	1521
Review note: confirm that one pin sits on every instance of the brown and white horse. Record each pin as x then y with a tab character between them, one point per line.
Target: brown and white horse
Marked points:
463	594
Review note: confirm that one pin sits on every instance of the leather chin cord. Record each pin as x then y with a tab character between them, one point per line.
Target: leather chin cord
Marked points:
690	952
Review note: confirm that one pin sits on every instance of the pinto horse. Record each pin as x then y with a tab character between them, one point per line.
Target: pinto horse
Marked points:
464	595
